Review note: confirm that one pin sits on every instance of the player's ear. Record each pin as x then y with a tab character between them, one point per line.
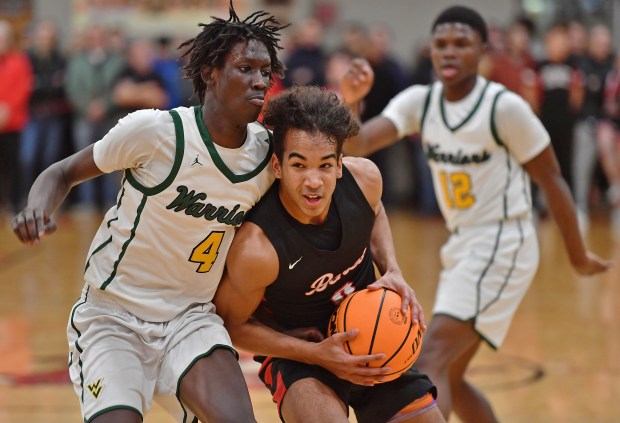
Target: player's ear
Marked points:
206	73
339	166
276	166
484	46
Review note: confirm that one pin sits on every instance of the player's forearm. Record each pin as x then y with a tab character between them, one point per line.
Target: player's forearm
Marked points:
375	134
563	211
257	338
382	244
356	146
49	189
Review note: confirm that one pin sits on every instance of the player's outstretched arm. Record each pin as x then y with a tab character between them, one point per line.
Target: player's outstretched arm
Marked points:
378	132
356	82
545	172
368	177
48	192
252	265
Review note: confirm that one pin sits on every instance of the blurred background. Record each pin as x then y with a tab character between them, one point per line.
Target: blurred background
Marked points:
92	61
83	64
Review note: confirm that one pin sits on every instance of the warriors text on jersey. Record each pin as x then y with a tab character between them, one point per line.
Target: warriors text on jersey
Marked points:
313	280
475	148
163	246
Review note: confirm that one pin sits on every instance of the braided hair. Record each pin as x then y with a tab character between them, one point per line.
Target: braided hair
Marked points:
216	40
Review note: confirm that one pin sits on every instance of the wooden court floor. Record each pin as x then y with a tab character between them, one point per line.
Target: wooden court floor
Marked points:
560	363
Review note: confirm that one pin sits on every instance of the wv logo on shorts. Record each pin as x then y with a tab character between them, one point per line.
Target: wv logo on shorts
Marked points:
95	388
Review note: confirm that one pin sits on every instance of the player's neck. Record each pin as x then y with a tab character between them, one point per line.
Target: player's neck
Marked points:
460	90
224	133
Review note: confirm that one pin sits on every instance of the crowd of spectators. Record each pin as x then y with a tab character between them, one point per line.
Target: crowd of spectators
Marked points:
54	101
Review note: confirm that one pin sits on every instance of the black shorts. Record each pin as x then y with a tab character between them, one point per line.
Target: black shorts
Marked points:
372	404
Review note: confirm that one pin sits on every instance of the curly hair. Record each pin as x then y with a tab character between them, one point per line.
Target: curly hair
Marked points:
217	39
313	110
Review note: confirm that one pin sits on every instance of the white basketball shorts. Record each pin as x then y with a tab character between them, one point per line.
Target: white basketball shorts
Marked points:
487	270
118	361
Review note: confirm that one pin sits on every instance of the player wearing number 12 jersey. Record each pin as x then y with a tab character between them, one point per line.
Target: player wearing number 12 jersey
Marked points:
483	143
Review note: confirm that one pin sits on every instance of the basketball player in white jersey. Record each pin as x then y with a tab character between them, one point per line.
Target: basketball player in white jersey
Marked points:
145	323
483	143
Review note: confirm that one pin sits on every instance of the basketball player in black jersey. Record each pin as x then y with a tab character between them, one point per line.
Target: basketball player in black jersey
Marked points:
307	244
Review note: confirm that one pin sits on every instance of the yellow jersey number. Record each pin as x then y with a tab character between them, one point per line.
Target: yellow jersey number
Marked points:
456	188
206	252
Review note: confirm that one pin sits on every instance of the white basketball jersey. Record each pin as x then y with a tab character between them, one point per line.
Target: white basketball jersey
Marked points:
475	177
164	246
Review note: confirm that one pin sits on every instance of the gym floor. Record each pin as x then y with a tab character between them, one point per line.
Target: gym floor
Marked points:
560	362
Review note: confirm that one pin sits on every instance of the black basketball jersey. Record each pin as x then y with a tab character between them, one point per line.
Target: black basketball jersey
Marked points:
312	282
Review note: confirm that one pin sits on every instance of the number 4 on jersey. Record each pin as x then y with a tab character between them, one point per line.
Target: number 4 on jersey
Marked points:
206	252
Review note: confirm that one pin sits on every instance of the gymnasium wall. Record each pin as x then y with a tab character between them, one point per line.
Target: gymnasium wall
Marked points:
410	19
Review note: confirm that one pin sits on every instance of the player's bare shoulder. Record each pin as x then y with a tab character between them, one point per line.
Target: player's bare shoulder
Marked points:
367	176
252	257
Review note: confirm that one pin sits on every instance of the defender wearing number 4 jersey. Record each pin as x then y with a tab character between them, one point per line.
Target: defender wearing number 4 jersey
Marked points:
145	324
483	143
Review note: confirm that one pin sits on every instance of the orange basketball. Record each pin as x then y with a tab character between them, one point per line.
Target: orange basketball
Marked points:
382	329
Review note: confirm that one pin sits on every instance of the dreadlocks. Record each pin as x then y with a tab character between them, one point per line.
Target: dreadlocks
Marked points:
217	38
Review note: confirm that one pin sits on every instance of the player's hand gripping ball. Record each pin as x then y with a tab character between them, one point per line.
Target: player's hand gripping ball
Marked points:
383	328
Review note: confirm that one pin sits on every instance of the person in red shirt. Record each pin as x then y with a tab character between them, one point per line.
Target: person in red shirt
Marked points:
15	89
515	67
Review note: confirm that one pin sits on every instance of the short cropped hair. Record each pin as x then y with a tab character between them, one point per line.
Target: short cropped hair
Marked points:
313	110
463	15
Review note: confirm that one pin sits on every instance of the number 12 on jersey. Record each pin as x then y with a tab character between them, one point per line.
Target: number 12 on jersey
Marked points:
206	252
456	188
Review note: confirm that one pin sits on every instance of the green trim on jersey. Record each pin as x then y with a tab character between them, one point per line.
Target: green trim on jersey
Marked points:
114	407
188	368
208	141
107	241
471	114
498	140
490	262
126	243
473	319
500	143
96	250
427	102
508	179
77	345
512	268
178	158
